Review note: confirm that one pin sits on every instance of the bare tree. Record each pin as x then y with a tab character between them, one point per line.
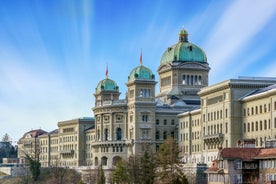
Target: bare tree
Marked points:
169	169
6	138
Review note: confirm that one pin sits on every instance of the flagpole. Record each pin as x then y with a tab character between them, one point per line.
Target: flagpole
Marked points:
141	58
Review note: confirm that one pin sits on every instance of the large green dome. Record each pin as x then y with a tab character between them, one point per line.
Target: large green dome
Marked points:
107	85
183	51
141	72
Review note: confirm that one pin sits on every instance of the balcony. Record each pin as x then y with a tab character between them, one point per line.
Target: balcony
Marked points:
213	138
67	152
109	143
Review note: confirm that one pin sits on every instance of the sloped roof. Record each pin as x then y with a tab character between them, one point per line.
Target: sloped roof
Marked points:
260	90
214	167
266	153
34	133
246	154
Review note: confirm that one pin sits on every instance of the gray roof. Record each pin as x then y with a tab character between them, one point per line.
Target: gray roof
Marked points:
260	90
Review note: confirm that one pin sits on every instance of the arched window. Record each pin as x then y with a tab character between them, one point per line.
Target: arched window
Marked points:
98	135
119	134
116	159
96	161
104	161
199	80
106	134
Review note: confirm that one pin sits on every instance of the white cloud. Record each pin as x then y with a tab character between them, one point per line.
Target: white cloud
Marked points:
240	23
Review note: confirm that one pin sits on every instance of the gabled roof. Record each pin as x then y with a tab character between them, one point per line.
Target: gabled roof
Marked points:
53	132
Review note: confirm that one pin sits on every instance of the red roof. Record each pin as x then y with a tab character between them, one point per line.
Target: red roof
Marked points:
34	133
213	167
267	153
246	154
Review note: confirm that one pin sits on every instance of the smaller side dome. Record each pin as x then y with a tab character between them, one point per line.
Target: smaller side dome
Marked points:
141	72
107	85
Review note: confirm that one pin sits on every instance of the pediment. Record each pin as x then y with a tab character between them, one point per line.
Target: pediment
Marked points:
164	67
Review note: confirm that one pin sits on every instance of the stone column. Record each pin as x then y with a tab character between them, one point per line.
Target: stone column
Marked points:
111	126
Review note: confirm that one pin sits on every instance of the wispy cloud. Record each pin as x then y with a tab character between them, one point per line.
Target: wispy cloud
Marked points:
241	21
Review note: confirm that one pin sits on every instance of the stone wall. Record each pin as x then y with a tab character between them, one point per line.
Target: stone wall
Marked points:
15	171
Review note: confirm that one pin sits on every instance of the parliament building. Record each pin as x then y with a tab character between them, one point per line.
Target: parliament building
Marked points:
200	117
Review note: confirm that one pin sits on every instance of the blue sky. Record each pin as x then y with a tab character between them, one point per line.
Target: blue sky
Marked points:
53	53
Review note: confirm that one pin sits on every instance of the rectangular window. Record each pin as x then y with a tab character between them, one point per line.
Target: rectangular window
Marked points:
261	109
261	125
145	118
172	122
237	164
157	122
145	93
237	178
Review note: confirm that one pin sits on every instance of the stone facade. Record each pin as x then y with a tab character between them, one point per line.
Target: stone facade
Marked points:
223	118
201	118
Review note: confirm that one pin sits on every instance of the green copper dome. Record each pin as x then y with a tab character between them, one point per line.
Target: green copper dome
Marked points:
183	51
107	85
141	72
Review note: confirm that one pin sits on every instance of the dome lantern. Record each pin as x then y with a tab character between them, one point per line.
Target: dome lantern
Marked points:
183	36
183	51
